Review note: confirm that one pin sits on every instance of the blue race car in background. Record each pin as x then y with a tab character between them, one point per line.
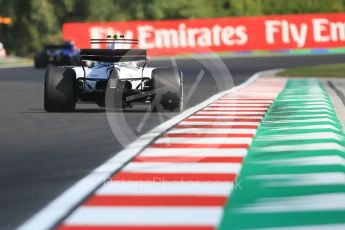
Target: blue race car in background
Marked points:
58	55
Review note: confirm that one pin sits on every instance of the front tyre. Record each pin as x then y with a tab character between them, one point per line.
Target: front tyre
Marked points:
59	90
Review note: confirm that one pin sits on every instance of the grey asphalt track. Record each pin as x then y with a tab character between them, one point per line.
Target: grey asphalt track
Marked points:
42	154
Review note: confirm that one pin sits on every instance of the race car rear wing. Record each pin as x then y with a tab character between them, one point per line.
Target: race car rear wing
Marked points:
114	39
110	55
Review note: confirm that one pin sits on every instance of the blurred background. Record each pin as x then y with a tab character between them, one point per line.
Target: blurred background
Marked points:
38	22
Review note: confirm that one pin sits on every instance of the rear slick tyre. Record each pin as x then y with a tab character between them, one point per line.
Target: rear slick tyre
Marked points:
59	90
168	90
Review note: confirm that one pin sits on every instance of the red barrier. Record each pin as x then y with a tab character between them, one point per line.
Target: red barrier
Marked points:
220	34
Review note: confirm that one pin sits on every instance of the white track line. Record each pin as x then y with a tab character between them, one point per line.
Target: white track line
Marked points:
61	206
303	147
166	188
295	204
235	109
193	152
238	104
213	131
131	216
205	112
162	167
215	123
204	140
303	136
219	117
243	101
304	179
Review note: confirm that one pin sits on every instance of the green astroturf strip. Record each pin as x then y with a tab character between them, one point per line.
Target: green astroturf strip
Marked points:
294	174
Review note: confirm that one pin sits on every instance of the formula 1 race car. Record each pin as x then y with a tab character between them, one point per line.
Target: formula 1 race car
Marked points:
117	78
62	54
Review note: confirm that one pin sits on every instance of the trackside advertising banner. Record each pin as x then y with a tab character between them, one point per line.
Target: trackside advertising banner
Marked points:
219	34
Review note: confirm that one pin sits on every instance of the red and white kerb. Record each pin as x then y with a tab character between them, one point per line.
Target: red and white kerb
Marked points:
183	179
